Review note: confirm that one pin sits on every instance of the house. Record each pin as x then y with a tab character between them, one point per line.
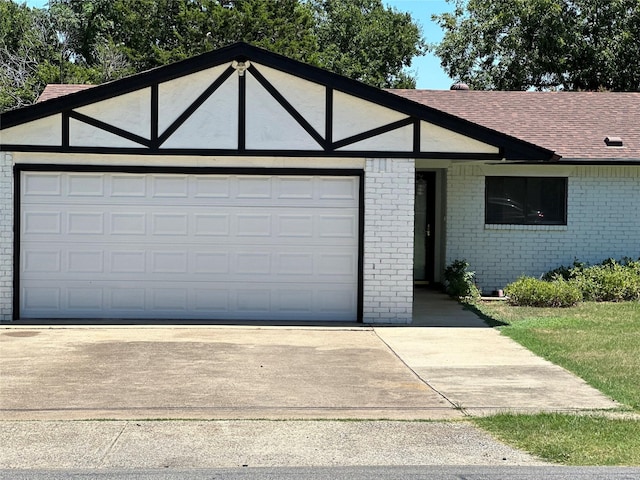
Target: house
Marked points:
243	185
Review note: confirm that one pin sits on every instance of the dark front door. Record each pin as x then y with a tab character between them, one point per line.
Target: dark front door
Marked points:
424	233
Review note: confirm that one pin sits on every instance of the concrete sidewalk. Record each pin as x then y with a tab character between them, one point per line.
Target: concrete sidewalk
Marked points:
238	443
484	372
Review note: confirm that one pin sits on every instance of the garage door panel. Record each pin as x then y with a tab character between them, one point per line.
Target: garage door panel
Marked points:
42	184
82	299
207	190
179	263
42	222
41	299
39	261
85	185
189	246
193	300
243	225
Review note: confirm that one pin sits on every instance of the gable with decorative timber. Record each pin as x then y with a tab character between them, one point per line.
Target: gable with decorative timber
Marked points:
242	100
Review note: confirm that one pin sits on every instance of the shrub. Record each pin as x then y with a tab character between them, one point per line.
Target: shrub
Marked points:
531	292
564	272
460	282
610	281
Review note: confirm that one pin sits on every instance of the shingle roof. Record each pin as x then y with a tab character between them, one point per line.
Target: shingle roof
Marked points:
55	90
573	124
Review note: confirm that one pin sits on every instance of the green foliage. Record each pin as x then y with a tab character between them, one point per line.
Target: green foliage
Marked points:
565	272
27	40
542	44
459	281
610	281
528	291
362	39
94	41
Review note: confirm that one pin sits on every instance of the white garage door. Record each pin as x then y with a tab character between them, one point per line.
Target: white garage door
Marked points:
119	245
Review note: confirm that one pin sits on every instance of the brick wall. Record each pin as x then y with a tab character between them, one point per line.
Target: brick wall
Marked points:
6	236
602	221
388	240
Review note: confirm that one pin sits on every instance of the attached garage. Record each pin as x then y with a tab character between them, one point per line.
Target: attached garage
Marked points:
274	246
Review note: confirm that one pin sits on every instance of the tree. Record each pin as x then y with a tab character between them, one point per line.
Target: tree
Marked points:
362	39
542	44
93	41
27	54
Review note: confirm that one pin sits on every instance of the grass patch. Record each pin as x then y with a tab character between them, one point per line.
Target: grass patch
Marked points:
569	439
599	342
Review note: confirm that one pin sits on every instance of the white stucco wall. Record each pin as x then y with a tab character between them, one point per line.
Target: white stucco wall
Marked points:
388	240
602	221
6	236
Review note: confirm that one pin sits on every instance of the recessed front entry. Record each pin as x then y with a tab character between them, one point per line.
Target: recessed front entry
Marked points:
188	246
425	228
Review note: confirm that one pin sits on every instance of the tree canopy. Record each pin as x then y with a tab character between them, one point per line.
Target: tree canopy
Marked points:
542	44
93	41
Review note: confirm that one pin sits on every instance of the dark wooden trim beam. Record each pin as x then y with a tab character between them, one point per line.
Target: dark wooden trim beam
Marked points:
242	113
154	115
416	136
110	128
65	129
373	133
328	124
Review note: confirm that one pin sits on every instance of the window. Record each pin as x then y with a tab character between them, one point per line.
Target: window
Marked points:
526	200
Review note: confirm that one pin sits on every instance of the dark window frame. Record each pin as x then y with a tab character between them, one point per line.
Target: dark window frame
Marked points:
489	219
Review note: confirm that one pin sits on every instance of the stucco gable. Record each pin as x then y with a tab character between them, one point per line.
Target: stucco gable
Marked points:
242	100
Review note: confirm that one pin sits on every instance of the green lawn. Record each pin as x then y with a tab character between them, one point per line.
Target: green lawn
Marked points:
569	439
599	342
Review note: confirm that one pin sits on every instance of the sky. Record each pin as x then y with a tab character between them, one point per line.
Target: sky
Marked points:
427	69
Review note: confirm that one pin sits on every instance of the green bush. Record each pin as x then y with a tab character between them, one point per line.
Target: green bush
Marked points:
531	292
564	272
460	282
610	281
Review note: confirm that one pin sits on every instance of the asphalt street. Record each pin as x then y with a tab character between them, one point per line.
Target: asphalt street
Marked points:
343	473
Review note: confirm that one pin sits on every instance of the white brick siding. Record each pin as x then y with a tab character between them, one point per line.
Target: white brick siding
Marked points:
388	240
6	236
602	221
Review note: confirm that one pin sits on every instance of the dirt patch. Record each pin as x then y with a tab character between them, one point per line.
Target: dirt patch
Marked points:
21	333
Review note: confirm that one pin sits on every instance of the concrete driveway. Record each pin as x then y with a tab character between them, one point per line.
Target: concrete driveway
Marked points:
212	372
216	372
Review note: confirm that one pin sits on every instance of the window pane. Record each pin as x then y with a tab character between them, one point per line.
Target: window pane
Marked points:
505	200
546	200
526	200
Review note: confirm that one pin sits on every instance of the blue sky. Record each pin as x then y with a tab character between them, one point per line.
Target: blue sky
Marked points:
427	69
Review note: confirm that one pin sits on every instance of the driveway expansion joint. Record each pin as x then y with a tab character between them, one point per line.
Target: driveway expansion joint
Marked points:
417	375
